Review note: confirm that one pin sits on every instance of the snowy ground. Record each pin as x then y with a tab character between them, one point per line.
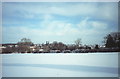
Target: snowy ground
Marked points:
60	65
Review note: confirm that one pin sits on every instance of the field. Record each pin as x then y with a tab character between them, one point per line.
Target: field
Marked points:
60	65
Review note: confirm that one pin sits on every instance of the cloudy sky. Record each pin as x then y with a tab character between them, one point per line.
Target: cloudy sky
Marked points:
62	21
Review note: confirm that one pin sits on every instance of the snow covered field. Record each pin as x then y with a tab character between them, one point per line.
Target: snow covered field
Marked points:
60	65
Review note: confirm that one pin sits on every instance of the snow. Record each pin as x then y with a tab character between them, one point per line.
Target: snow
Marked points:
60	65
0	66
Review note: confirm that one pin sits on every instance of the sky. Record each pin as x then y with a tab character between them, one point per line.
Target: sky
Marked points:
58	21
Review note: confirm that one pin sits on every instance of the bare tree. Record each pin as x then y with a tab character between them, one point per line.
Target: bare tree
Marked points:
24	45
78	42
25	41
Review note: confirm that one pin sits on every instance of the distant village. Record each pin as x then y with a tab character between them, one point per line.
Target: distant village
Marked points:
111	44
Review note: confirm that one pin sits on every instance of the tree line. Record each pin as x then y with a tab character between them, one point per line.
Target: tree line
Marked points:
111	41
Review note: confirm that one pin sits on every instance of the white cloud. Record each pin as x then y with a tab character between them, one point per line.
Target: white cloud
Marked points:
87	24
83	24
99	25
51	29
107	11
57	30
